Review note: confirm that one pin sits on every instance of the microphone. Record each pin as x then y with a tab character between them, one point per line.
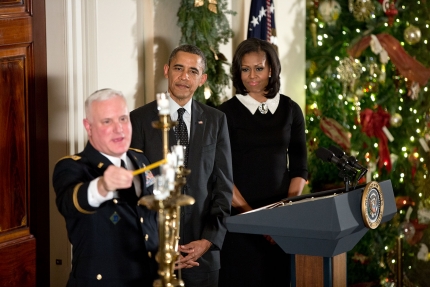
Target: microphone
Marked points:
350	159
329	156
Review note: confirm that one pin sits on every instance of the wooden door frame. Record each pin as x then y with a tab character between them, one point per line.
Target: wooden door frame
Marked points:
39	150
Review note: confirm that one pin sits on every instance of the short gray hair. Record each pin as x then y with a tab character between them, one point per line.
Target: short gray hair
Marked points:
101	95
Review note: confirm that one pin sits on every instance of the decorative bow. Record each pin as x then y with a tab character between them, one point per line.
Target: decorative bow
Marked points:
372	123
212	6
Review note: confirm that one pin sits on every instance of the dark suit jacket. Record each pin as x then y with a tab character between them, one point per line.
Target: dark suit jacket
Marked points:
210	182
109	242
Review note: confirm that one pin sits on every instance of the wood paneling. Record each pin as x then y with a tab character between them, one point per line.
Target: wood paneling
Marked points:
15	31
15	271
24	186
13	152
11	7
310	271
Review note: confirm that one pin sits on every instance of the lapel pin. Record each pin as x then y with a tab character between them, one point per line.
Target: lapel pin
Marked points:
200	122
100	165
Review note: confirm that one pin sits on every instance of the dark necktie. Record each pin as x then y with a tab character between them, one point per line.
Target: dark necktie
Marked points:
129	194
181	133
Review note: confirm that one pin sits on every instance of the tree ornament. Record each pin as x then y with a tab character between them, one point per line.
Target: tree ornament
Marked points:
212	6
312	5
363	9
403	201
396	120
311	66
349	70
423	254
329	11
390	10
406	230
414	90
412	35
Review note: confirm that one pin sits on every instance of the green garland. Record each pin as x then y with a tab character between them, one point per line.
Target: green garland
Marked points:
207	30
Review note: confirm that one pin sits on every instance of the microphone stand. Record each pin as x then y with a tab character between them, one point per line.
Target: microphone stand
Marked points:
346	179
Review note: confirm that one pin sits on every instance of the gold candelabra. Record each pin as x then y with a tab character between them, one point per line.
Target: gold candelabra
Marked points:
168	214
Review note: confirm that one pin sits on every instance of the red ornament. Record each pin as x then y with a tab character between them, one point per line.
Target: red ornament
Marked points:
402	201
390	10
391	14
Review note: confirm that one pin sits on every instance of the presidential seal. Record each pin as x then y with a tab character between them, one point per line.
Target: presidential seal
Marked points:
372	205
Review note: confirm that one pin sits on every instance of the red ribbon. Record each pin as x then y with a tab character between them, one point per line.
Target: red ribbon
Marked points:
372	123
336	132
407	66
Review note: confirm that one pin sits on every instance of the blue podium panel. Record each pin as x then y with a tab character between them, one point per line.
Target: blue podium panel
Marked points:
320	224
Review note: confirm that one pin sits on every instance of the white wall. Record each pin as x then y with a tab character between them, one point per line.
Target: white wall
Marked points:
93	44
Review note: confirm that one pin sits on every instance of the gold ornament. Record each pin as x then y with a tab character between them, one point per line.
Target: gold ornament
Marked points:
412	35
349	70
329	11
312	24
199	3
363	9
396	120
212	6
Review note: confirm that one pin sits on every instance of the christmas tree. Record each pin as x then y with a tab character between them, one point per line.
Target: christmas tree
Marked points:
367	93
204	24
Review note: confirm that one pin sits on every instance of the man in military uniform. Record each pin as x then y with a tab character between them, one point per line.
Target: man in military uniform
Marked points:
114	239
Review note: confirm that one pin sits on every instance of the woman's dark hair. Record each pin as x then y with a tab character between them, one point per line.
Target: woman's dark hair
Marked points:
256	45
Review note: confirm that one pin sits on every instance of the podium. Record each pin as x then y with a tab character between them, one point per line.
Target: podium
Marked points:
317	228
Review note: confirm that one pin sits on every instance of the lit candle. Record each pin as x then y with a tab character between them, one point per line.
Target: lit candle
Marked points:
163	104
179	151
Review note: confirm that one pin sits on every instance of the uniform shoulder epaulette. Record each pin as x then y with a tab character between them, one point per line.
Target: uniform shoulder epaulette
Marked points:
136	150
74	157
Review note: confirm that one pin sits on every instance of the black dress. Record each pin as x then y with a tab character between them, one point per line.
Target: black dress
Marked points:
262	145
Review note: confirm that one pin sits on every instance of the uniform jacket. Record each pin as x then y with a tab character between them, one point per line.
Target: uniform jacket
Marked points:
114	244
210	182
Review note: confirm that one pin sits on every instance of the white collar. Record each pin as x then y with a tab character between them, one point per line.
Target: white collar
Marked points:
116	160
174	108
252	104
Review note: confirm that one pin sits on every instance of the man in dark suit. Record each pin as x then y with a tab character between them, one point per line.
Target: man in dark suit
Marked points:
209	159
114	239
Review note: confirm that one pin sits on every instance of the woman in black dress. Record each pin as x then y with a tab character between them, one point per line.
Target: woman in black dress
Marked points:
267	135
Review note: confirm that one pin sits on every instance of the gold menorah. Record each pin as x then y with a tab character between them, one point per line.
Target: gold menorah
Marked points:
168	214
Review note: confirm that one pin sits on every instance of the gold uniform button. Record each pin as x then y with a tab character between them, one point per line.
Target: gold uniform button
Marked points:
142	220
115	201
149	254
146	237
99	277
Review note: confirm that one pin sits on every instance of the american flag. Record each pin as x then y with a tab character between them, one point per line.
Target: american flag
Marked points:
262	21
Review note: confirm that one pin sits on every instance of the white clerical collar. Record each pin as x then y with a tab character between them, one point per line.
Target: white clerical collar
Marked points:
116	160
174	108
253	105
